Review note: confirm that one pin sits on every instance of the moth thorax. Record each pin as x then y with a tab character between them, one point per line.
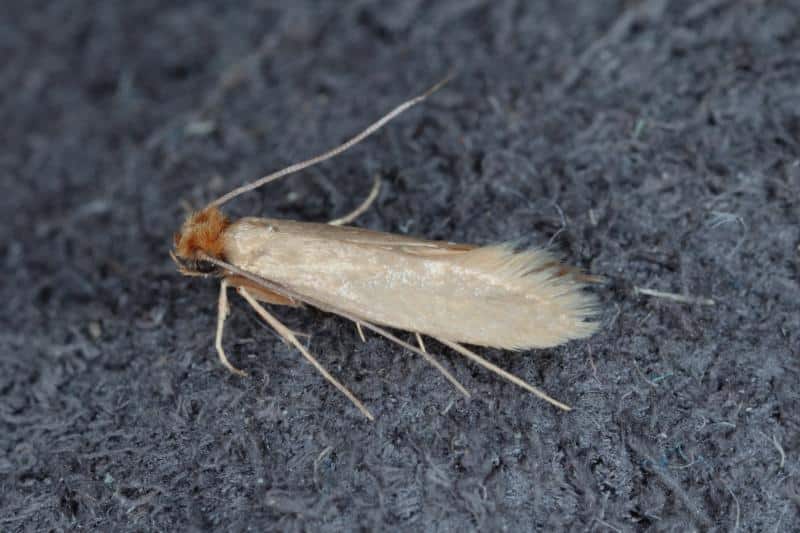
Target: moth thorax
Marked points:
202	232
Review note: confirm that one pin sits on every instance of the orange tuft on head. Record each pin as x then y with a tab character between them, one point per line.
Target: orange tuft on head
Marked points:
202	232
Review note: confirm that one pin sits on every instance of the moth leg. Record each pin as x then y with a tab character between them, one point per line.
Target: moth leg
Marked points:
425	355
360	332
500	372
290	337
419	341
223	310
355	213
260	293
264	295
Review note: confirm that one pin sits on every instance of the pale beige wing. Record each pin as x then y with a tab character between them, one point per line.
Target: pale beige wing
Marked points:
489	296
351	235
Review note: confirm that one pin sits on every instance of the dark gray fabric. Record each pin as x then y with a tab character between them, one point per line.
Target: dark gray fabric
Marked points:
655	143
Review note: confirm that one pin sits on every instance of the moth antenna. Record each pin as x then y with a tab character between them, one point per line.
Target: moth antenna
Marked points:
372	128
500	372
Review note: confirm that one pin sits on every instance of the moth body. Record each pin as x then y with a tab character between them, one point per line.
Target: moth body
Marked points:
455	293
488	296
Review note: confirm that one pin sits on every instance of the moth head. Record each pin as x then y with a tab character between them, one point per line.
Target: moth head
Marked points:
201	234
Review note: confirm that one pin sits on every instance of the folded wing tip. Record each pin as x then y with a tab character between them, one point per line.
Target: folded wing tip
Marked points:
551	296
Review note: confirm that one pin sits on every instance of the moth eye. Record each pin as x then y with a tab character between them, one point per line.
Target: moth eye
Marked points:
203	267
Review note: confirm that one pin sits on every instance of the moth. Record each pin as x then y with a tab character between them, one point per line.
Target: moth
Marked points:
492	296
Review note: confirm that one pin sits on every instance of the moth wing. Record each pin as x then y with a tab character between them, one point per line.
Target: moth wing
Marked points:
491	295
442	249
402	243
430	249
354	235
